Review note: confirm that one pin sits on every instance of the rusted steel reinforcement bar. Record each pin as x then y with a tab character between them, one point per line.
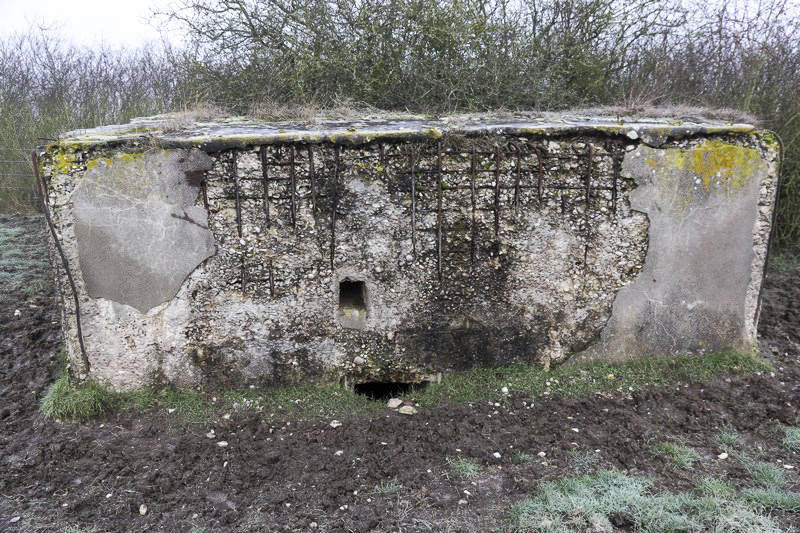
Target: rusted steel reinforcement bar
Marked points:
382	151
40	188
235	171
204	189
497	161
292	168
334	203
518	173
439	210
586	218
616	162
312	178
472	228
540	178
265	179
413	205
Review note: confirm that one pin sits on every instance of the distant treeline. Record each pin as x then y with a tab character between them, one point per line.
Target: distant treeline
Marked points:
433	56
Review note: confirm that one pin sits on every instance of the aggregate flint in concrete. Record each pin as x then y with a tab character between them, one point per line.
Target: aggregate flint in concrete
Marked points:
138	231
692	294
479	243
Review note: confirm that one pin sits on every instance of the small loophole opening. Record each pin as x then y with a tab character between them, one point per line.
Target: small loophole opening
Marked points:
352	304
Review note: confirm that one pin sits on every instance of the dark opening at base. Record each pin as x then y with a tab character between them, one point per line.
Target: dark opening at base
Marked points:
385	390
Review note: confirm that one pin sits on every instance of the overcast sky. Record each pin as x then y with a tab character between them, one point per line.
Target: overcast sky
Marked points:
117	22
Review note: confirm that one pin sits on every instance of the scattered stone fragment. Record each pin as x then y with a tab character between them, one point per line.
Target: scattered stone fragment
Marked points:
504	390
171	410
496	455
788	467
15	520
407	410
222	443
335	424
313	525
722	456
211	434
541	454
394	403
462	502
576	430
143	509
17	312
338	452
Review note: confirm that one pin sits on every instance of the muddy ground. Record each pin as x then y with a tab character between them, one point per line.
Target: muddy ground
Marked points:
392	473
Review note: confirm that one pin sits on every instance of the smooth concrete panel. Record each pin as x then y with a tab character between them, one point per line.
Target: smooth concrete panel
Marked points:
138	231
702	203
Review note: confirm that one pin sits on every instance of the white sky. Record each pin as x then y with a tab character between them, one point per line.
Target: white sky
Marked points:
116	22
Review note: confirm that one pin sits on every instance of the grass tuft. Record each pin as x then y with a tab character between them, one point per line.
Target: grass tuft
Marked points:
65	402
387	487
729	440
681	456
715	488
791	439
774	499
611	500
767	475
520	457
464	467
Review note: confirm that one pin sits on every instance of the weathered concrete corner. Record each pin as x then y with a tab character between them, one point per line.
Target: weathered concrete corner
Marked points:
698	289
138	232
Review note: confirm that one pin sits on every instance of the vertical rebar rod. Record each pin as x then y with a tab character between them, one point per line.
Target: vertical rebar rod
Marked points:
586	219
41	189
265	180
382	153
293	186
439	210
473	230
312	179
235	171
615	177
204	189
518	174
334	201
413	205
497	160
589	180
539	180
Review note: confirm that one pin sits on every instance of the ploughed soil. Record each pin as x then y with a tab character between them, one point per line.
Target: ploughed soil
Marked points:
378	472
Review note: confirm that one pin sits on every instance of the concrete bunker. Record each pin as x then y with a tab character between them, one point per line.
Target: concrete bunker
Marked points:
390	250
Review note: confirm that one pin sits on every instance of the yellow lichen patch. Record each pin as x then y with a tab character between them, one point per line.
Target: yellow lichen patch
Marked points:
96	161
715	164
62	163
723	164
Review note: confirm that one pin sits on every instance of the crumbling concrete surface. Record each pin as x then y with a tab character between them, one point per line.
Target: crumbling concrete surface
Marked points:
243	252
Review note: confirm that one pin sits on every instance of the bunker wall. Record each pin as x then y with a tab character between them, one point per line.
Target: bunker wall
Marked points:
401	260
